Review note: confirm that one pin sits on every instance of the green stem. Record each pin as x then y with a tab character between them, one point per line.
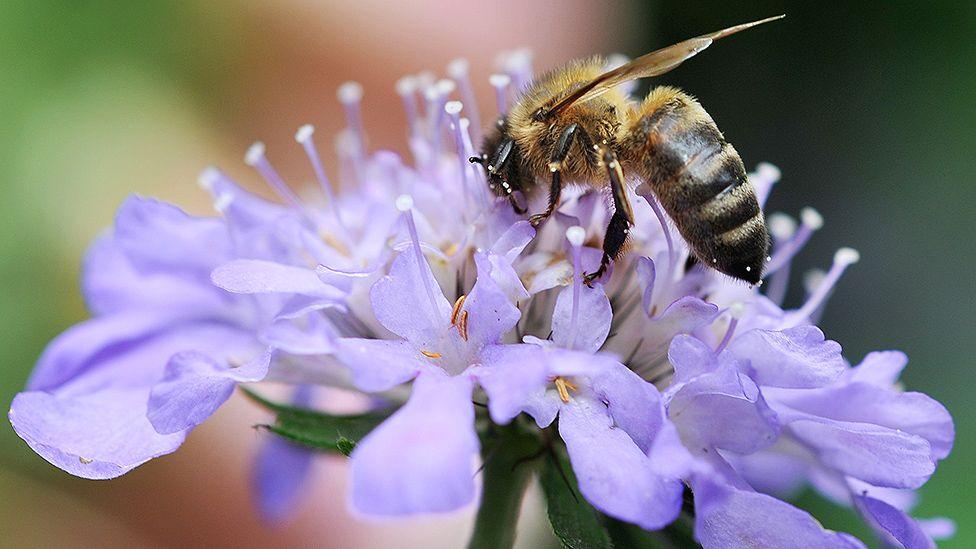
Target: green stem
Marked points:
505	475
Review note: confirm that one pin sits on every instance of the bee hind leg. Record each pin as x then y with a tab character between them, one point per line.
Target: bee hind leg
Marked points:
622	219
563	146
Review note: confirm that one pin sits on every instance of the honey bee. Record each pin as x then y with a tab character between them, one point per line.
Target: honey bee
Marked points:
573	124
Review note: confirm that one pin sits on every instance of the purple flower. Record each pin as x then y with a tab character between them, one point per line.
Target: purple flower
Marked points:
625	453
408	282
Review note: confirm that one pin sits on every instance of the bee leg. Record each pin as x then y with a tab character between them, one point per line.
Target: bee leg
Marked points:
555	165
623	215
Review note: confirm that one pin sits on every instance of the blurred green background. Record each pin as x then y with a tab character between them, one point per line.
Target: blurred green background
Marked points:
869	109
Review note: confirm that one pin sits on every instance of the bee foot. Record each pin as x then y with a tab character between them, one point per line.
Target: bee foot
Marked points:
538	219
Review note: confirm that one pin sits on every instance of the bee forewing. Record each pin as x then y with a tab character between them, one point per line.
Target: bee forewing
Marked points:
652	64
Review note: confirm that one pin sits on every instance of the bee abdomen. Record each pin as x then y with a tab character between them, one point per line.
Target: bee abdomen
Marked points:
702	183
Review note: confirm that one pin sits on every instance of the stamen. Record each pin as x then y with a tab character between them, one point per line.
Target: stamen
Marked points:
501	82
576	235
763	179
256	159
517	65
645	191
563	387
453	110
404	203
436	97
735	313
458	71
430	354
406	88
842	259
457	308
304	138
782	227
350	95
810	221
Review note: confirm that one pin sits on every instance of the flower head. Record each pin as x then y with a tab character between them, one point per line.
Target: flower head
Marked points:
676	392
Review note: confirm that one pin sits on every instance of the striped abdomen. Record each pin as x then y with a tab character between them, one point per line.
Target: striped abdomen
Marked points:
701	182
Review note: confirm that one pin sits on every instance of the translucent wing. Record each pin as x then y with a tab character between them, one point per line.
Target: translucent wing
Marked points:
651	64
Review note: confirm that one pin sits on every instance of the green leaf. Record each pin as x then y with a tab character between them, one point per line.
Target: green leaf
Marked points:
674	536
326	432
573	520
506	473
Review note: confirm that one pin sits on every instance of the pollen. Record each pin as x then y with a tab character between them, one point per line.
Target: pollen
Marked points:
430	354
84	460
563	387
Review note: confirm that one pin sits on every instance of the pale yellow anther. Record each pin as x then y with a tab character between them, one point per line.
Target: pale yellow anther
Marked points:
457	309
463	325
563	387
430	354
334	243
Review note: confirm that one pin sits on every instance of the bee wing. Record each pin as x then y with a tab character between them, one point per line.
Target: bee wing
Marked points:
652	64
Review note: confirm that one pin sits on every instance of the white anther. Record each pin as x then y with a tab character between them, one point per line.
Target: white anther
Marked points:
767	171
445	87
304	133
404	202
576	235
453	107
406	85
615	60
847	256
812	279
499	80
254	154
458	68
349	92
811	218
737	309
207	178
781	226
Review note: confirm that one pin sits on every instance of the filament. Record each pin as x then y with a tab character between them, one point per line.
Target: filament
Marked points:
256	158
404	203
575	235
304	137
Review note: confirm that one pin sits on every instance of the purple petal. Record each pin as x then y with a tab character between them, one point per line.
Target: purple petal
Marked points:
511	243
490	313
685	315
876	455
646	275
913	413
71	353
723	409
308	335
420	460
194	386
157	236
281	471
402	305
592	319
510	376
96	436
726	517
894	526
690	358
797	357
633	404
111	285
378	365
255	276
880	368
614	473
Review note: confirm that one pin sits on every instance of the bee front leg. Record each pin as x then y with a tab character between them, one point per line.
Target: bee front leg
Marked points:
623	215
563	146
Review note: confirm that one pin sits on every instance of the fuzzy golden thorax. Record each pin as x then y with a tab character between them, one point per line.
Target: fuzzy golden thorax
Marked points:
600	120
